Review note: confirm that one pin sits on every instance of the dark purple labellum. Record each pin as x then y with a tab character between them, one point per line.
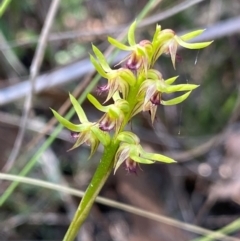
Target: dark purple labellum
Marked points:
106	124
131	166
156	98
134	62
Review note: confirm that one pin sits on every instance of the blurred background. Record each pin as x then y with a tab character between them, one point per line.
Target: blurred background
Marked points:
202	133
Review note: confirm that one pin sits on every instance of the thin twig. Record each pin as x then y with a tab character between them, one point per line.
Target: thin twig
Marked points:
34	70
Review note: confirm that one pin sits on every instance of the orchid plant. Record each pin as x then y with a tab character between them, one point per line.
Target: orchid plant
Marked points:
135	87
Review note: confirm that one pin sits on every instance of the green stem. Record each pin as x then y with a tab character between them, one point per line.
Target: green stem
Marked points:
103	171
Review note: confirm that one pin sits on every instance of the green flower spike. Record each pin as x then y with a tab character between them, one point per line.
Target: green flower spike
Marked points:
118	80
166	42
87	132
114	113
141	53
131	153
153	87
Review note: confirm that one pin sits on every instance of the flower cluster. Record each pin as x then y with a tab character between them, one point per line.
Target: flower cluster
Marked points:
135	87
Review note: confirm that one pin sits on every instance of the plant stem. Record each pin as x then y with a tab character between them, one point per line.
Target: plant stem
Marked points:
103	171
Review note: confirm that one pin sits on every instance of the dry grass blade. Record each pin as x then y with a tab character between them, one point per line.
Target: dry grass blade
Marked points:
34	70
124	207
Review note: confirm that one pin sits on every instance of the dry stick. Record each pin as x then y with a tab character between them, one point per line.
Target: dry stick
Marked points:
34	70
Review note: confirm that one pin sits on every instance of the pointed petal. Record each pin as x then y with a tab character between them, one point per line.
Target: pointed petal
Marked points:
191	35
192	45
180	87
153	111
118	44
124	89
96	103
121	156
171	80
173	51
113	87
66	123
83	137
176	100
79	110
102	60
94	147
131	34
156	34
119	123
149	93
137	108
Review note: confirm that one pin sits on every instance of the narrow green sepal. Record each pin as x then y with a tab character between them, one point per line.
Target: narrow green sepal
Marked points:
140	159
66	123
102	60
192	35
79	110
131	34
98	67
96	103
156	34
171	80
180	87
192	45
118	44
157	157
176	100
